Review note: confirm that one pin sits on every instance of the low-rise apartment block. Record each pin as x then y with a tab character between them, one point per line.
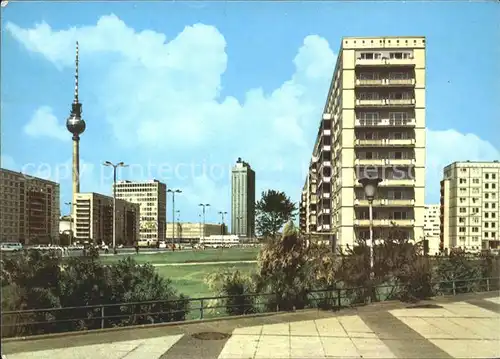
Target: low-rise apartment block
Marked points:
470	201
94	219
373	125
188	231
29	209
152	199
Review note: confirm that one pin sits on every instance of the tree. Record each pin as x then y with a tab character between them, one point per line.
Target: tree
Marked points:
274	209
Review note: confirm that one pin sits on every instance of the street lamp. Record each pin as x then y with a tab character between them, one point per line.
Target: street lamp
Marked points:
115	166
179	229
173	191
204	206
70	204
370	186
222	222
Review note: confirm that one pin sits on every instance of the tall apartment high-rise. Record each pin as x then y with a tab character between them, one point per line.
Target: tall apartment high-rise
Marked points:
94	219
29	209
243	200
152	198
373	124
470	201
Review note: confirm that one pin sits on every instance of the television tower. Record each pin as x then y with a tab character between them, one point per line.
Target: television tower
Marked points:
76	125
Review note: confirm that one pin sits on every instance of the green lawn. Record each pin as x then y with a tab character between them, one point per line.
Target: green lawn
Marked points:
189	279
208	255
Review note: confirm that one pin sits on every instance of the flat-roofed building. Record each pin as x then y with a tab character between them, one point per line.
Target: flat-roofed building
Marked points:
152	199
29	208
432	225
373	125
94	219
470	201
187	231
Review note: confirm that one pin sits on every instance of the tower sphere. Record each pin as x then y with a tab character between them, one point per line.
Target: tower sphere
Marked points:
75	124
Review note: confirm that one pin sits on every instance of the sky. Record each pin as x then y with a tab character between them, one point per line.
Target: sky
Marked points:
180	90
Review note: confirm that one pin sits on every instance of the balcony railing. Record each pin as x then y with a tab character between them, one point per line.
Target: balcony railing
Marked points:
384	122
392	183
384	222
385	82
385	142
385	62
385	102
369	162
385	202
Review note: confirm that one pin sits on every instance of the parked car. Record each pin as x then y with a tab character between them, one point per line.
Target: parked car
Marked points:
11	247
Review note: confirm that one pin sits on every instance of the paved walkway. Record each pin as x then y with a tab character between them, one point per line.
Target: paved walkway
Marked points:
465	326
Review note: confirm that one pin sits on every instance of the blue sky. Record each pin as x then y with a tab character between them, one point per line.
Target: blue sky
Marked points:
180	90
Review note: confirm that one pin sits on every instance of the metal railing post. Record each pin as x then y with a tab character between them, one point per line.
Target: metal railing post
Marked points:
339	299
454	287
201	309
487	284
102	317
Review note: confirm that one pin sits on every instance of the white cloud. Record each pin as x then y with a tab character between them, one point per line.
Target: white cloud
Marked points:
445	147
43	123
164	95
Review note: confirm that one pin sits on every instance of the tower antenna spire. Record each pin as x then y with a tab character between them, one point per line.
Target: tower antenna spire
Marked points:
76	75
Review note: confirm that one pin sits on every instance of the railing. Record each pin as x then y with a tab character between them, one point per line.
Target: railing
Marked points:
105	315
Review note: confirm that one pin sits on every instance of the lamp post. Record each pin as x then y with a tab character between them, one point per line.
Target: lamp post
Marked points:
70	204
173	191
179	229
203	206
222	227
370	187
115	166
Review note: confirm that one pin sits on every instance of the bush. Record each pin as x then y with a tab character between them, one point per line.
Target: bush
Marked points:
237	288
36	280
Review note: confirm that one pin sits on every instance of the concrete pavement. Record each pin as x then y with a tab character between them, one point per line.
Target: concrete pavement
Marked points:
465	326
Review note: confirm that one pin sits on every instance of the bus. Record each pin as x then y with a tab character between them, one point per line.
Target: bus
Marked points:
220	241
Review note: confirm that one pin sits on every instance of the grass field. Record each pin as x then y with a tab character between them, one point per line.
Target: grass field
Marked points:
189	279
208	255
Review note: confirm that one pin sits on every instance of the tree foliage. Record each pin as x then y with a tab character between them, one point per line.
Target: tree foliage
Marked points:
273	210
36	280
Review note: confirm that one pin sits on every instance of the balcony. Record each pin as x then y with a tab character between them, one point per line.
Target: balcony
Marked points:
392	183
400	82
327	132
410	122
324	211
325	195
369	82
370	143
370	103
385	62
400	161
400	142
369	162
399	202
400	102
385	82
324	179
326	148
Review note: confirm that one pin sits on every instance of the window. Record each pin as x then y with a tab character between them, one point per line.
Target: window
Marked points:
463	210
461	229
486	186
368	96
369	115
462	200
493	176
493	225
487	176
399	95
398	115
486	215
475	229
486	195
461	220
369	136
475	180
493	186
396	55
398	155
369	76
370	55
463	181
486	224
398	135
475	190
398	76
